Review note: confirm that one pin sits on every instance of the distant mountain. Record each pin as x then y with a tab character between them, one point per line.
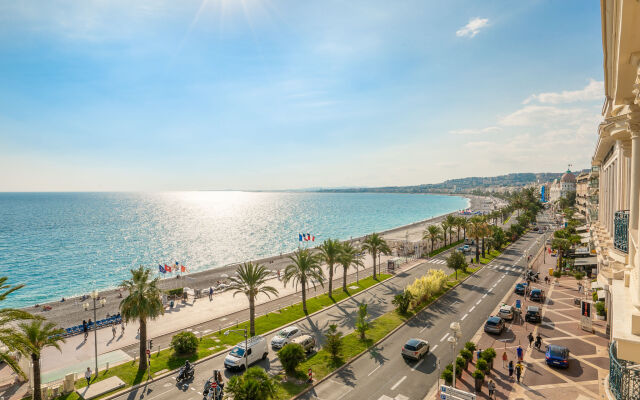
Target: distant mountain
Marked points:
462	185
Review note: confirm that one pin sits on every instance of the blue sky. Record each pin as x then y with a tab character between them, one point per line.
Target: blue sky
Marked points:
254	94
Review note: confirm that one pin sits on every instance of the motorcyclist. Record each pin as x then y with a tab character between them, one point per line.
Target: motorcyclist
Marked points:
538	341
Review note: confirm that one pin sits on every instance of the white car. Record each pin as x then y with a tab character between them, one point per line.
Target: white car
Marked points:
284	336
506	312
240	356
415	349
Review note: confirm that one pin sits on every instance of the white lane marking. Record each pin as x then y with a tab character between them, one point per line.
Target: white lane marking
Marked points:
434	348
485	295
472	308
374	370
420	331
193	389
463	317
160	394
417	365
444	337
398	383
478	302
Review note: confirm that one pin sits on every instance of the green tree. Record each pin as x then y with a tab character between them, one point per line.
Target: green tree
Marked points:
142	303
333	340
291	355
348	257
362	323
251	280
498	236
254	384
432	233
476	230
456	261
374	244
445	227
11	339
305	270
184	343
452	223
329	253
402	301
39	335
563	246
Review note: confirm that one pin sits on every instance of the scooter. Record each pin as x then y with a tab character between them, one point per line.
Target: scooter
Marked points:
214	387
185	374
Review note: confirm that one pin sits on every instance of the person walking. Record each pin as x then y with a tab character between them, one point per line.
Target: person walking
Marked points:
210	293
87	375
479	353
518	371
492	389
510	370
113	330
504	359
122	328
85	329
530	337
538	341
519	353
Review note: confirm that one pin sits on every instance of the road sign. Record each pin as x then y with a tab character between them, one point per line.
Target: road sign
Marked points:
585	318
148	352
518	305
453	394
214	385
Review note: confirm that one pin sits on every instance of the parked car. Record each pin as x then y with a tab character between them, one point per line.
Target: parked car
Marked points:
494	325
521	287
284	336
415	349
255	351
533	314
557	356
536	295
506	312
307	342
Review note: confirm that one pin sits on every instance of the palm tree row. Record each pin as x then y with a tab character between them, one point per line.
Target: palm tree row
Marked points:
451	223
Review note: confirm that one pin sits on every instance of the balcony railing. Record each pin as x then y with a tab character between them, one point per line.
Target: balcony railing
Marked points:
624	377
621	231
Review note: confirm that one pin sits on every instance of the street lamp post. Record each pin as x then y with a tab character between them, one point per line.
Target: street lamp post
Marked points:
95	295
453	340
246	346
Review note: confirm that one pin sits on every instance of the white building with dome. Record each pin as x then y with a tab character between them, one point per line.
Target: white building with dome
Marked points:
561	187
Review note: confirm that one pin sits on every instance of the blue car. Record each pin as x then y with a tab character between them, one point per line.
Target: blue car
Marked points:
557	356
520	288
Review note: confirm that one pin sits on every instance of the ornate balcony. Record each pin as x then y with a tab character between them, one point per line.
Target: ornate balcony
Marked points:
624	376
621	231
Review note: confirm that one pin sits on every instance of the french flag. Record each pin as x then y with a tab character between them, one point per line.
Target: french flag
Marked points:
162	270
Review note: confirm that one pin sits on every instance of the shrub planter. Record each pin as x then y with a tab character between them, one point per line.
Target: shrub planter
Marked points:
478	379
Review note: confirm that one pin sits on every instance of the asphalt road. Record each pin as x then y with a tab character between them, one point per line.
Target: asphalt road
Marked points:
343	314
383	374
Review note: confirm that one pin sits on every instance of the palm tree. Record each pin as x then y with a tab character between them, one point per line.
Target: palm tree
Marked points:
445	228
432	233
251	279
476	231
348	257
143	303
459	225
38	337
9	338
451	223
304	270
464	224
374	244
484	232
329	253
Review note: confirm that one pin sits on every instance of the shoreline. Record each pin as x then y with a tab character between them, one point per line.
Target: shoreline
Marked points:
67	313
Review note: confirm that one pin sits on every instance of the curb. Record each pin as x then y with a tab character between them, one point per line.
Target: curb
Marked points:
356	357
211	356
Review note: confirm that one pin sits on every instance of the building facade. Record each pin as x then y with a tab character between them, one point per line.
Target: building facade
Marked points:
616	171
561	187
582	193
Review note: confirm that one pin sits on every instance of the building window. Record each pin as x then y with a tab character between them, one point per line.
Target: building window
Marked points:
621	231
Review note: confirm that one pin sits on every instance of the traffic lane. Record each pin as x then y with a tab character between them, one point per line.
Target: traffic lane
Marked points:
363	377
312	325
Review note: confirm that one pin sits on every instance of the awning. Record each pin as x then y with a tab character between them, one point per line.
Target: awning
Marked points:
585	234
583	228
585	262
585	240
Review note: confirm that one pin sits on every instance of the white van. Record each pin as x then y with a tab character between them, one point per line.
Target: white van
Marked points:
257	350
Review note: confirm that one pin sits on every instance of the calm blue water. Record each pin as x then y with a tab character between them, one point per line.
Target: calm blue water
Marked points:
64	244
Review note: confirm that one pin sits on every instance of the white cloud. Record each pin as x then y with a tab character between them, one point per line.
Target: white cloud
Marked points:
543	116
489	129
593	91
473	27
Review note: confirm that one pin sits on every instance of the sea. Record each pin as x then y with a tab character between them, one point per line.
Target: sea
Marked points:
67	244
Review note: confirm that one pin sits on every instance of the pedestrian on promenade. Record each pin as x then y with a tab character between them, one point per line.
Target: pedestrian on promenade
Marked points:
519	352
519	368
504	359
492	389
113	330
87	375
479	353
278	274
530	337
510	370
122	329
85	329
538	341
210	293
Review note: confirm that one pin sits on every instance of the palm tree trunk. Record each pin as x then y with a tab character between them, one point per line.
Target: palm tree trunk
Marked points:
330	281
432	244
304	296
374	264
37	393
464	236
344	278
483	247
252	316
477	250
143	345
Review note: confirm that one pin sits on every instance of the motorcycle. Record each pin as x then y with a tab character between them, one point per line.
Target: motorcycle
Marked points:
185	373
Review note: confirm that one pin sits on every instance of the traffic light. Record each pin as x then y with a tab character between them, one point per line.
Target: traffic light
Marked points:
150	344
